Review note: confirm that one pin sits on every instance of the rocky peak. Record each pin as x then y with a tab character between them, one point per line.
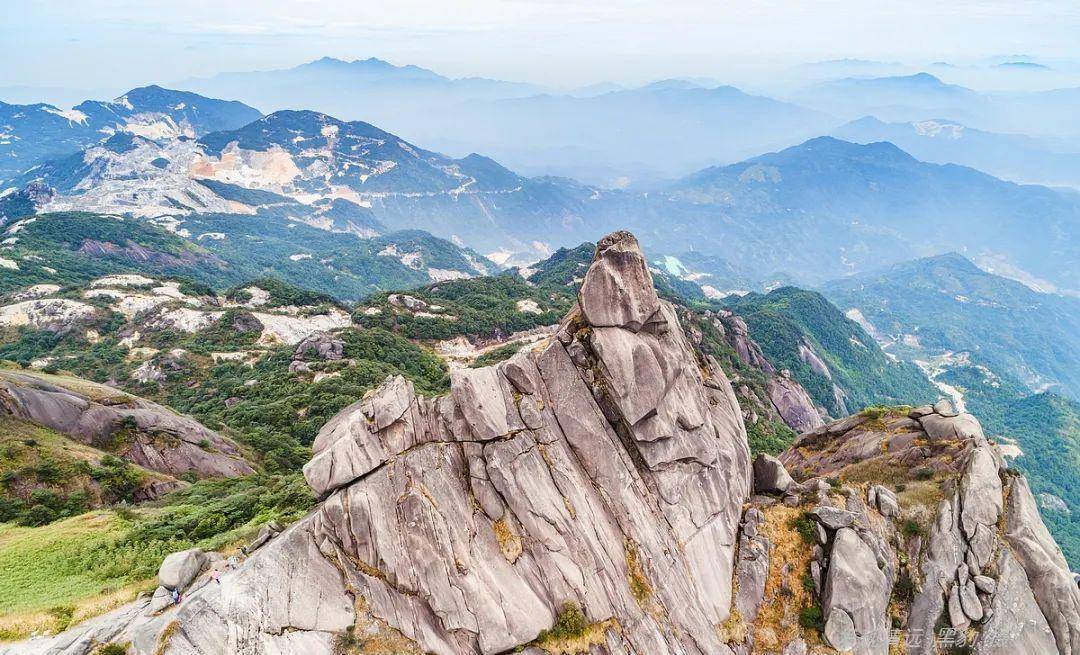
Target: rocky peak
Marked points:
600	481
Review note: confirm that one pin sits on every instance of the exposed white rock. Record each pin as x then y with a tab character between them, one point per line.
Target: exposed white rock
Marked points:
46	314
290	330
36	291
122	280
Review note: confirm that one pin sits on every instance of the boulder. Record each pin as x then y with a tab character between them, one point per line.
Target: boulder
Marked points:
832	518
885	501
840	631
856	591
981	503
320	345
770	476
752	567
618	288
180	568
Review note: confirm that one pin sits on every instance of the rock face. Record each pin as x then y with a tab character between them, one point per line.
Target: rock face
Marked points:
138	430
606	467
791	401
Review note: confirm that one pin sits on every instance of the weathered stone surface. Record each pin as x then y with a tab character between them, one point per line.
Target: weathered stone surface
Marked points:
944	428
856	588
466	521
618	288
840	631
793	403
152	436
1047	571
969	601
1016	625
319	345
957	617
752	567
770	476
179	569
984	584
885	501
981	503
831	517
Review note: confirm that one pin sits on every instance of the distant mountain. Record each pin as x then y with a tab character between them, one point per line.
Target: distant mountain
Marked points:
893	98
659	131
922	96
599	134
310	167
1009	156
373	90
31	134
829	208
945	304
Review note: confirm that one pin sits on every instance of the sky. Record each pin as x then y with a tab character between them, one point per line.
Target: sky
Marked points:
117	44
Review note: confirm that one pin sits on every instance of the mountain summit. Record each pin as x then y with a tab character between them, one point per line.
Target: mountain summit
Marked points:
594	493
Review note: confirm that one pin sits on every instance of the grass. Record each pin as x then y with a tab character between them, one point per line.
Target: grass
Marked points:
99	560
572	632
45	583
45	567
640	587
786	597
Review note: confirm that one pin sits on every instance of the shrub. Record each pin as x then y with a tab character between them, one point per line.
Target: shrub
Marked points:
812	618
804	525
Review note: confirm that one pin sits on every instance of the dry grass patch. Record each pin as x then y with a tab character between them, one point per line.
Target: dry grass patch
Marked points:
640	587
509	542
777	622
373	636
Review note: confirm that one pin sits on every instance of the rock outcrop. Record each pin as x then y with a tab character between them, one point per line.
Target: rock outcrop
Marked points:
604	469
601	480
962	532
138	430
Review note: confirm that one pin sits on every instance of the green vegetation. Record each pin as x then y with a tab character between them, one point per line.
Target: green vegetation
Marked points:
44	476
769	434
103	552
482	308
80	246
787	318
497	355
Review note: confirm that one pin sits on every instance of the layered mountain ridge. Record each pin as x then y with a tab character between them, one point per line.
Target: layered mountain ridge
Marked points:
594	493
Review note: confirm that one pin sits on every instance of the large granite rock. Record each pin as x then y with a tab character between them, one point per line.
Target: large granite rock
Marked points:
618	288
606	467
793	403
770	476
138	430
179	569
1047	571
856	594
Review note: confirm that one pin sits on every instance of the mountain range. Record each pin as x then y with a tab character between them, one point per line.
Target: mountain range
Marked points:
1015	157
32	134
823	209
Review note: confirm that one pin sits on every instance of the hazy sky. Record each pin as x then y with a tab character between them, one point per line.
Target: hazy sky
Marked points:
95	44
